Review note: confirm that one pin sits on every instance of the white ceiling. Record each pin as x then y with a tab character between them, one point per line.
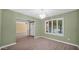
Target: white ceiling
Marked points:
36	12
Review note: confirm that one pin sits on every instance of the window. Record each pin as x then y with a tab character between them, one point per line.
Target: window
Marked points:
47	26
60	26
55	26
50	26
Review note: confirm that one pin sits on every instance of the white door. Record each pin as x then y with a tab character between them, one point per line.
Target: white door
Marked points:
32	29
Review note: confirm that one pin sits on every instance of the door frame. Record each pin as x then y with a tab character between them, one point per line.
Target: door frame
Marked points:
34	28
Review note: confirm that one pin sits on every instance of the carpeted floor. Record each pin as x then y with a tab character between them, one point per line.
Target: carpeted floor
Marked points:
29	43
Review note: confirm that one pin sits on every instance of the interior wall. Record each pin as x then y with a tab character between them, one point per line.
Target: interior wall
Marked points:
8	27
70	28
21	27
78	27
25	17
39	28
0	27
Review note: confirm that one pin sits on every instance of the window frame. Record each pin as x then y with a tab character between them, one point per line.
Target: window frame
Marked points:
58	34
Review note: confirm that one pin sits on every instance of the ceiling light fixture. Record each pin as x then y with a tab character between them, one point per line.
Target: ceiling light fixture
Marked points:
42	15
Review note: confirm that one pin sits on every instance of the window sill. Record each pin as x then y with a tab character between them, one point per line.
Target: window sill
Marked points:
55	34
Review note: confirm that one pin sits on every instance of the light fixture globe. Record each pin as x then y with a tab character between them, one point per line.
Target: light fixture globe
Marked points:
42	16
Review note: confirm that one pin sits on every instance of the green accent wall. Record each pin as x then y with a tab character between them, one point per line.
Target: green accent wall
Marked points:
78	27
8	27
0	27
20	16
71	28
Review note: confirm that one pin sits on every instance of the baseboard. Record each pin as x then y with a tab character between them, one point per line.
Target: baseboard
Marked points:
7	45
59	41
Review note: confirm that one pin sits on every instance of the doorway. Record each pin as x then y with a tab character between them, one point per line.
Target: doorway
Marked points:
21	29
24	29
32	28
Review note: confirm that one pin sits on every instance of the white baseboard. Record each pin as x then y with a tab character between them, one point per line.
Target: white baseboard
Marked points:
7	45
59	41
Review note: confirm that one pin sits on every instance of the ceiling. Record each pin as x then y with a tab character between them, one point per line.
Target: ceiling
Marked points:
48	12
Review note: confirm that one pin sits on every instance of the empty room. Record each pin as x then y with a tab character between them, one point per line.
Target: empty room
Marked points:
39	29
